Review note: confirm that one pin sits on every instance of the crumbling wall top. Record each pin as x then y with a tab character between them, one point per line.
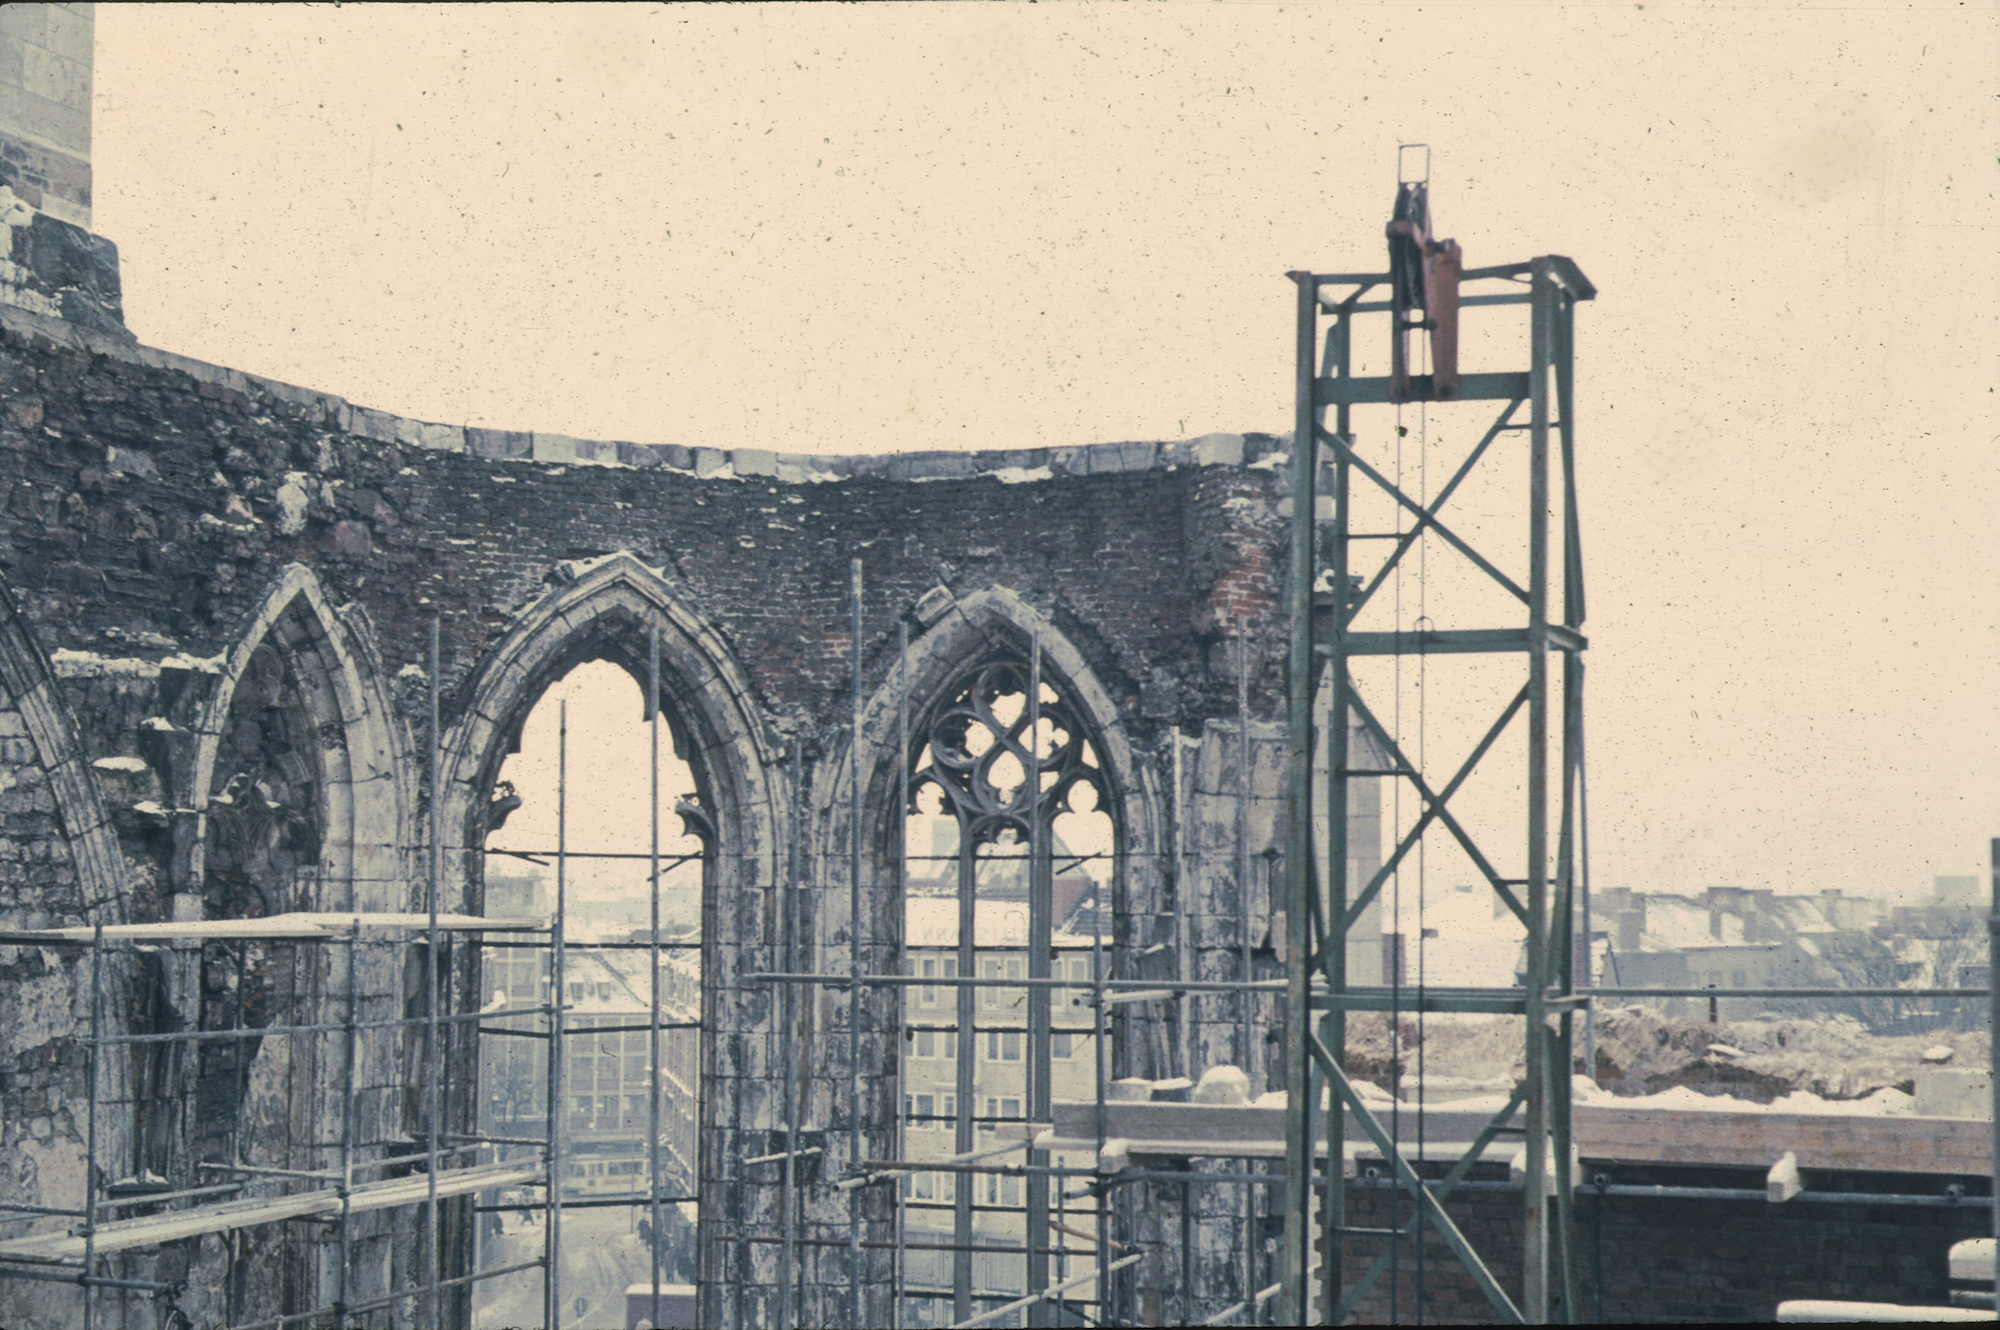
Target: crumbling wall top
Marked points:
1009	466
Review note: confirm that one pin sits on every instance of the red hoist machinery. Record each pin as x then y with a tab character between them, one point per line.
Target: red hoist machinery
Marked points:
1423	275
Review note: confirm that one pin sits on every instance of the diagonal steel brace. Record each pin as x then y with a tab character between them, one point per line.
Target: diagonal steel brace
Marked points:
1340	445
1451	823
1444	1189
1429	516
1432	810
1407	1176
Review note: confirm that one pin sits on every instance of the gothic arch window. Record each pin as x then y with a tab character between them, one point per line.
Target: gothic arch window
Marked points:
290	736
604	612
1011	845
585	742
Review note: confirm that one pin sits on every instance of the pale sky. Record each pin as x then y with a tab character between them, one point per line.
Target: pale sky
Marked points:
860	229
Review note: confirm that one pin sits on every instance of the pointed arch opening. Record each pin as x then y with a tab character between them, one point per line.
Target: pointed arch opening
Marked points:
1011	845
294	782
591	641
999	885
296	763
574	818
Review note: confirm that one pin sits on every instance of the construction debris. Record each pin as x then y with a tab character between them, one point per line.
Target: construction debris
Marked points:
1640	1052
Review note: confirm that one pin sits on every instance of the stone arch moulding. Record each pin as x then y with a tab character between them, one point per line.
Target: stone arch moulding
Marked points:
605	608
365	785
605	611
958	637
968	628
30	688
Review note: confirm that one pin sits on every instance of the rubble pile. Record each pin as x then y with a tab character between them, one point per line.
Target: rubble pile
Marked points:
1640	1052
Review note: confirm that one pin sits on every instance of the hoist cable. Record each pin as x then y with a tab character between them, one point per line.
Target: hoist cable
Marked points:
1423	734
1392	955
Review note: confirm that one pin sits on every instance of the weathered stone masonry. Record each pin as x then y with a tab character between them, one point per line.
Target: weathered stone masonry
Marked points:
189	550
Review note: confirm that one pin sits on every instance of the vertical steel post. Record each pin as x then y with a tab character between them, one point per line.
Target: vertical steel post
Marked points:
1993	1035
653	1064
240	1063
1535	1276
1563	953
1562	336
434	1069
1100	1016
854	1200
1101	1076
900	828
1298	857
558	1087
1181	886
90	1128
347	1121
1333	897
788	1040
967	1042
1041	878
1589	937
237	1268
1246	1002
1062	1255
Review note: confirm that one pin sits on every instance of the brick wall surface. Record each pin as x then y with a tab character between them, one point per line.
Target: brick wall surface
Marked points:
1652	1261
136	499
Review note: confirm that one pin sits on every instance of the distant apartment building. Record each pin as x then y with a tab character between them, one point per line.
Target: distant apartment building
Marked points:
1732	938
605	1083
998	1057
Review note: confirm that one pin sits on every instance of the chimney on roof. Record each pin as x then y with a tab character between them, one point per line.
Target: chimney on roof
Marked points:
1632	926
1757	905
1955	890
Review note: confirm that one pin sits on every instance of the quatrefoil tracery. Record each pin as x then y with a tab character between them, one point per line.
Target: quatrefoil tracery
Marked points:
978	755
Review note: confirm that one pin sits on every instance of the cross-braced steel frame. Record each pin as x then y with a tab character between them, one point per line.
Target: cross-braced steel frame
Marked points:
1324	639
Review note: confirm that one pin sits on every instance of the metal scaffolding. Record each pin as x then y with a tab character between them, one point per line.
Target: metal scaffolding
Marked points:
228	1197
242	1195
245	1196
1054	1192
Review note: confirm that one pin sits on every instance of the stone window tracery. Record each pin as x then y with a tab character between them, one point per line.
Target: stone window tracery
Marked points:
1010	852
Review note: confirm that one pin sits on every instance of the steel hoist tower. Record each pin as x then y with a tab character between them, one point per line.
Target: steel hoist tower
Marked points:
1534	875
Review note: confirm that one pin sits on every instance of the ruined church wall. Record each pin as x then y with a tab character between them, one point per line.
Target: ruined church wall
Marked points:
150	505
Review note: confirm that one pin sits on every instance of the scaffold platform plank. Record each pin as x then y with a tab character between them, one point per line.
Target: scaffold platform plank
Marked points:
1731	1134
298	927
152	1230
